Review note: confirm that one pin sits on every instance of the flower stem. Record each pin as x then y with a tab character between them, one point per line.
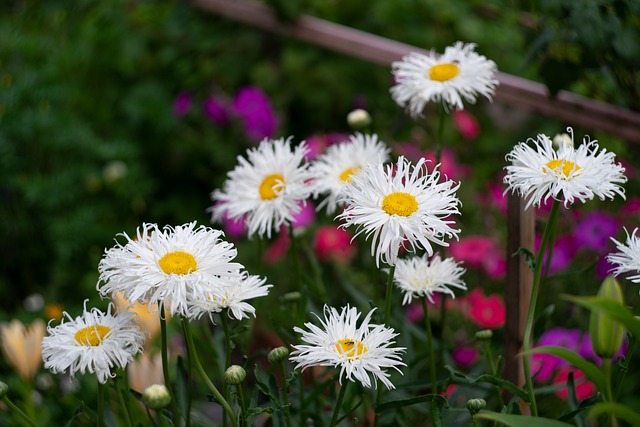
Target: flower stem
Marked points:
123	403
100	422
243	405
221	400
493	369
165	364
432	361
624	366
227	338
387	297
336	410
537	278
189	386
18	411
439	137
608	394
285	393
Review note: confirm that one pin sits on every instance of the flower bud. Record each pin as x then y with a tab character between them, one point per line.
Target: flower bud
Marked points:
562	140
156	396
292	296
474	405
358	119
234	374
278	354
606	333
484	335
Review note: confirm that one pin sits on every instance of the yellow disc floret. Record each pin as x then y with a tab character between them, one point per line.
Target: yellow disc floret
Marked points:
178	262
271	186
353	349
92	335
443	72
566	165
348	173
400	203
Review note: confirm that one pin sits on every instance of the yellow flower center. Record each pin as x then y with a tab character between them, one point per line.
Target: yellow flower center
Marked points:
399	203
348	173
178	262
271	186
443	72
353	349
566	165
92	335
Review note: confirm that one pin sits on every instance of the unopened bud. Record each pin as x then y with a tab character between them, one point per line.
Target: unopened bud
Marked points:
562	140
358	119
474	405
292	296
484	335
156	396
606	333
234	374
278	354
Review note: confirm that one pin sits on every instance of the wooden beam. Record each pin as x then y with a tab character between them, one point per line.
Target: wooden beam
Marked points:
568	107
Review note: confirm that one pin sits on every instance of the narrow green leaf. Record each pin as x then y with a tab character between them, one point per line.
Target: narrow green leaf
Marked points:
613	309
490	379
520	420
589	369
412	401
616	409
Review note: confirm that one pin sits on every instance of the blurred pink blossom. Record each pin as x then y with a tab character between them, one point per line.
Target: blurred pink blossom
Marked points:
594	230
482	253
333	244
564	249
253	106
305	217
181	104
465	357
466	124
449	166
215	109
233	228
584	388
318	143
486	311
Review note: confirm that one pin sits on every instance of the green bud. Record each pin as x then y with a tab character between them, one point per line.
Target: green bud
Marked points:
606	333
156	396
4	389
474	405
234	374
484	335
292	296
278	354
358	119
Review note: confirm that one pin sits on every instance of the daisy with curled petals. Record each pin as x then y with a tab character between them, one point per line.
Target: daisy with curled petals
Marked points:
400	205
627	259
233	297
359	351
459	73
170	266
540	172
95	341
266	187
336	167
420	277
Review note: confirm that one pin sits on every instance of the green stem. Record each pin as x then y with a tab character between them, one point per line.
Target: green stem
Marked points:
161	419
608	393
100	422
439	138
123	403
18	411
432	361
243	405
227	338
189	385
285	393
336	410
537	277
223	402
165	364
493	369
300	286
624	368
301	398
387	297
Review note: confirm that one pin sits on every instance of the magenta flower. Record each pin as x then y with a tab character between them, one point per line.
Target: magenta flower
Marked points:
181	104
486	311
333	244
466	124
305	216
564	249
480	252
583	387
253	107
594	230
215	109
544	365
465	357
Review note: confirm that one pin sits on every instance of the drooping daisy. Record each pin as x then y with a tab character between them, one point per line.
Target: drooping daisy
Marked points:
400	205
336	167
627	260
540	172
420	277
233	297
265	187
95	341
360	351
169	266
459	73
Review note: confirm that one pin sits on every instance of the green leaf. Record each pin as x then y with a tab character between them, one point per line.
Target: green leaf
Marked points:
442	402
617	410
520	420
613	309
251	412
264	383
589	369
490	379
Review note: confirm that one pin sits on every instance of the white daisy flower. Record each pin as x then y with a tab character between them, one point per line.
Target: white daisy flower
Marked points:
336	167
169	266
627	260
456	74
96	342
233	296
402	204
420	277
540	172
266	187
359	351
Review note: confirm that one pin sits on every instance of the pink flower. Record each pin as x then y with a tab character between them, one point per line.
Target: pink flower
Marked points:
181	104
233	228
278	249
594	230
564	249
333	244
632	207
215	109
465	357
317	144
495	196
449	166
486	312
466	124
253	106
584	388
482	253
305	216
544	365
